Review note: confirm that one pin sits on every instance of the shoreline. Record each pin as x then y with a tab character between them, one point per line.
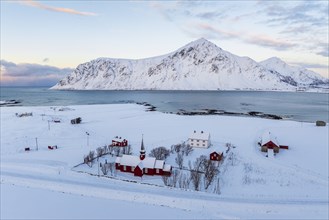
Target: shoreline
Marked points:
204	112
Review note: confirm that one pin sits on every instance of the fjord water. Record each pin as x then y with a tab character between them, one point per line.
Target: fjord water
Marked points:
299	106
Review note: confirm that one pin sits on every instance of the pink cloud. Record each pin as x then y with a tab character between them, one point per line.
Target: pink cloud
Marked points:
57	9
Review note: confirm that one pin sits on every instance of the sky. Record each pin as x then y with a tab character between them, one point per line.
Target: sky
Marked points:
43	41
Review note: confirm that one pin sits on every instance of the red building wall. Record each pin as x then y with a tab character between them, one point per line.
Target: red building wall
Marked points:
270	145
138	171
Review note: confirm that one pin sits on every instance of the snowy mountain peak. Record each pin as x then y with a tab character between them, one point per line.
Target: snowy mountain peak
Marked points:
202	43
275	60
199	65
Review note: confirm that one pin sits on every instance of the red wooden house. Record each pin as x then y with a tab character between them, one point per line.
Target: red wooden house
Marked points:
119	142
142	165
216	156
270	142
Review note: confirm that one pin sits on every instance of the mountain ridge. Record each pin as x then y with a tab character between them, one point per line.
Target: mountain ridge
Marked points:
199	65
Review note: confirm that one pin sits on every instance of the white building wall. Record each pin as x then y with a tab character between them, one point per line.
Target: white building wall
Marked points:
199	143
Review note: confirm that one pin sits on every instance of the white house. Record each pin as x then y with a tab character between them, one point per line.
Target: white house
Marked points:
199	139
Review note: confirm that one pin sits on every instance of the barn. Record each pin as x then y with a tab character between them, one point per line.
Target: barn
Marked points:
199	139
119	142
216	156
142	165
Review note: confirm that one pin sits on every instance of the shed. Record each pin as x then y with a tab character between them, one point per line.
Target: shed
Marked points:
76	120
320	123
269	142
216	156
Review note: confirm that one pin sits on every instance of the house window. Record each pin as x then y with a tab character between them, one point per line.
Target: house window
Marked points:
203	144
191	143
204	141
145	170
197	140
124	168
157	171
132	168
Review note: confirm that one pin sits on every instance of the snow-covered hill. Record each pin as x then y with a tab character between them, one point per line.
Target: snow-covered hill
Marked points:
200	65
291	185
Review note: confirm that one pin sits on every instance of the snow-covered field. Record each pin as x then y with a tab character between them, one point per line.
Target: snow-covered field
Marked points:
42	184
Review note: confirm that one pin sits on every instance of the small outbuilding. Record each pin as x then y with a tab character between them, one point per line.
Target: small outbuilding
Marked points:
270	142
199	139
119	142
320	123
216	156
76	120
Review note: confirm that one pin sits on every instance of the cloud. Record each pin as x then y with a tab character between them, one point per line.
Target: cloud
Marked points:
259	40
27	74
36	4
267	41
310	65
298	25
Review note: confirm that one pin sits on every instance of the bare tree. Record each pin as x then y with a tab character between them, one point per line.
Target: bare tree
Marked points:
165	180
126	150
86	160
90	158
100	151
110	149
176	148
184	181
104	168
160	153
105	149
112	168
196	172
175	176
188	149
116	151
217	187
232	158
210	172
180	160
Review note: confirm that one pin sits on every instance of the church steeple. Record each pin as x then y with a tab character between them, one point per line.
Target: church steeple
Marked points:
142	152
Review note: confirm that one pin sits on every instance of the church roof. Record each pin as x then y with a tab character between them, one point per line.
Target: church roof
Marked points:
133	161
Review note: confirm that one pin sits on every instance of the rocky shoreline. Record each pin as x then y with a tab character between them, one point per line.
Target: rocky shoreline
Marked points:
256	114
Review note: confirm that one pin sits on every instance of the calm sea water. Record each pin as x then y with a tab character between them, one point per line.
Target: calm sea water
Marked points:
297	106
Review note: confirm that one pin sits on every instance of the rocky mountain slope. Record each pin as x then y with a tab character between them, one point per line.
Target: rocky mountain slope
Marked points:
200	65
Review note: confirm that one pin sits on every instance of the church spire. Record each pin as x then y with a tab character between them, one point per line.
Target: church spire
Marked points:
142	152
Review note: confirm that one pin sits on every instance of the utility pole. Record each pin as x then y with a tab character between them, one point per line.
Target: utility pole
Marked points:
48	125
87	139
36	143
98	167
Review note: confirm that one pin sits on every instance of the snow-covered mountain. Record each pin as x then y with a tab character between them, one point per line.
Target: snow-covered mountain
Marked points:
200	65
300	75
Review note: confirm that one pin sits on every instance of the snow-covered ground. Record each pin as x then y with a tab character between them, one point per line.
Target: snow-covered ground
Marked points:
43	184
